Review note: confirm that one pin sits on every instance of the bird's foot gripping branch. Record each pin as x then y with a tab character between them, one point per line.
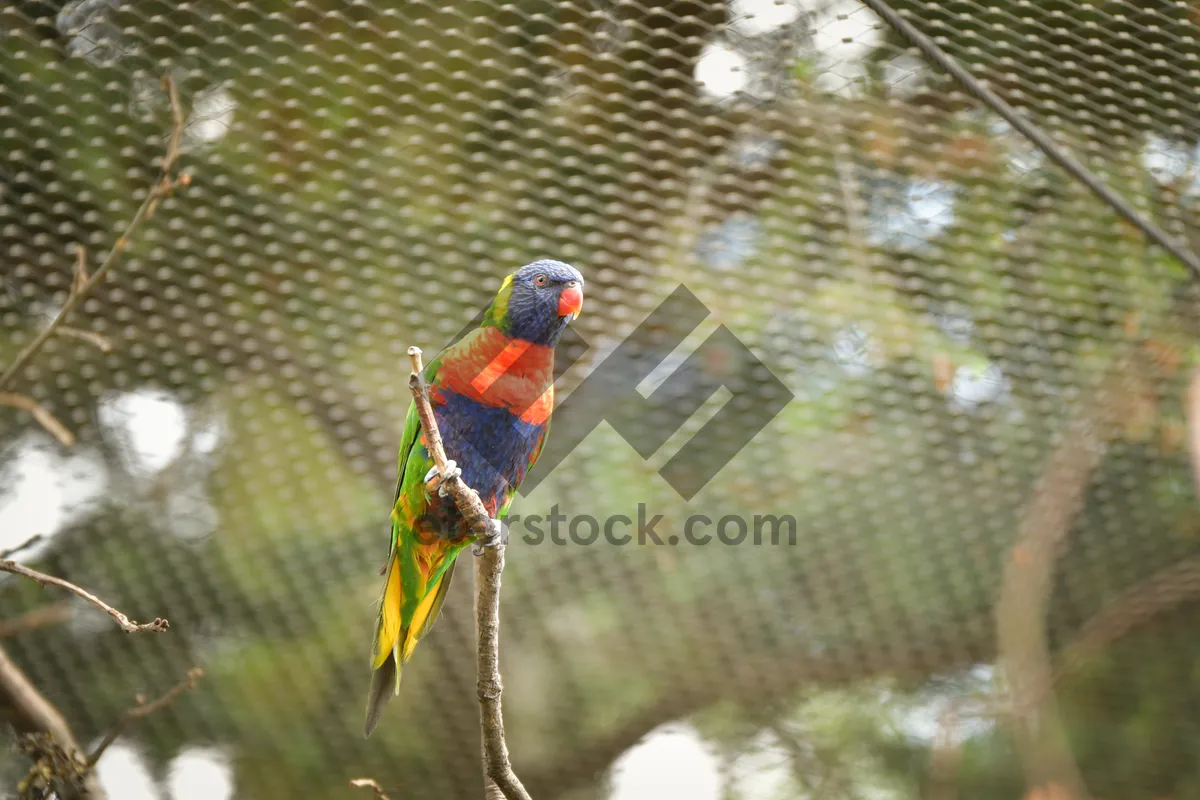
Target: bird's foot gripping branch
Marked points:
497	537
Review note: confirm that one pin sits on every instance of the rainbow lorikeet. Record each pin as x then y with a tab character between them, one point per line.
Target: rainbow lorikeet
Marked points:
492	393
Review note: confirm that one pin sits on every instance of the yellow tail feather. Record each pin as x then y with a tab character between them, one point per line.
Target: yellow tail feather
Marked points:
387	629
395	641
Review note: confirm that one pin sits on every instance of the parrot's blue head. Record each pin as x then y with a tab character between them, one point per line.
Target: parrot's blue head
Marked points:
538	301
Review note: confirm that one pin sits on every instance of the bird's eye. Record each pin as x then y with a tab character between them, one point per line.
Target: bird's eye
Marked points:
541	280
572	283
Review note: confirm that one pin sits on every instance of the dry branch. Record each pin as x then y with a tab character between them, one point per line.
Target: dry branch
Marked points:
94	339
368	783
35	619
58	768
30	542
142	709
1161	592
35	716
82	284
40	413
129	626
1022	642
499	775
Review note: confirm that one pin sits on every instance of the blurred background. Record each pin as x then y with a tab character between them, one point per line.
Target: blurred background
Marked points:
993	590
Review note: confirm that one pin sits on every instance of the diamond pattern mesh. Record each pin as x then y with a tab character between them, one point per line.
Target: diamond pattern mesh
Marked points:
987	446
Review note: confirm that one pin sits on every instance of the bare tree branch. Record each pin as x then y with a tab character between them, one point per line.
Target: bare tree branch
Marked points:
58	768
1162	591
92	338
32	714
499	774
30	542
129	626
35	619
40	413
499	778
369	783
82	284
142	709
1022	643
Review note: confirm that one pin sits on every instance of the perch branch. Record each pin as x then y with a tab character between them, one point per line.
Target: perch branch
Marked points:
467	499
129	626
489	567
369	783
141	709
82	284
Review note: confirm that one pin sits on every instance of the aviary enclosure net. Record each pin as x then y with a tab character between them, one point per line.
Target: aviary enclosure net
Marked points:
971	378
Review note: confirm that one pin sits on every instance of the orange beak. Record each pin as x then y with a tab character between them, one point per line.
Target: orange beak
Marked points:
570	302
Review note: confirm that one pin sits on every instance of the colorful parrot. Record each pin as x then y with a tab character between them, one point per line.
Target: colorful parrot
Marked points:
492	393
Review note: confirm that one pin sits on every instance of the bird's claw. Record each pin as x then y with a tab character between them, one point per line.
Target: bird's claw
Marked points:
497	538
435	480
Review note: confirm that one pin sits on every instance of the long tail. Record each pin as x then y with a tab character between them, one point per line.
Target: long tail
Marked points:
394	640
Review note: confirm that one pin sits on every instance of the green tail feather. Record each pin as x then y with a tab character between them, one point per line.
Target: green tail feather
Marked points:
384	683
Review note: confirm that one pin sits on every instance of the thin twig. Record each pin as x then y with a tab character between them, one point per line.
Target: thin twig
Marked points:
35	619
25	545
81	287
129	626
94	339
369	783
39	413
489	567
142	709
81	274
1035	134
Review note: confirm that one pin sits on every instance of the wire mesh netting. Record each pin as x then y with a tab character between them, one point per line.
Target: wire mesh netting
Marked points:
989	592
